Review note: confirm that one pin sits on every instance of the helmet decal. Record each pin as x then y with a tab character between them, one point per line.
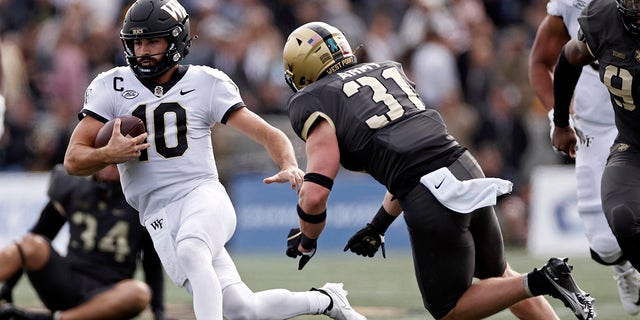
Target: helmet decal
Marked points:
174	9
315	38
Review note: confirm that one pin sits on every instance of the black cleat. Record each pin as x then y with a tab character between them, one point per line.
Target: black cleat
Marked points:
558	272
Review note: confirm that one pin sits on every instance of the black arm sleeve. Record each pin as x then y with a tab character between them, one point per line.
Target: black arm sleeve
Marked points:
153	273
565	78
6	292
50	222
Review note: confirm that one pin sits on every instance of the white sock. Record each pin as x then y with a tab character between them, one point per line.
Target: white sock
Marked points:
274	304
622	268
196	260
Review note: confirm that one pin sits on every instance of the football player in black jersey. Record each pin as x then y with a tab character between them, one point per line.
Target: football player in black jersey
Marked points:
95	278
609	34
368	117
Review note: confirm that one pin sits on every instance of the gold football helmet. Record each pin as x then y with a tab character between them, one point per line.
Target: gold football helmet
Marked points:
312	51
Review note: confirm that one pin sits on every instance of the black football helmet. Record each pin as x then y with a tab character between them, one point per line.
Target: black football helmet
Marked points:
147	19
630	13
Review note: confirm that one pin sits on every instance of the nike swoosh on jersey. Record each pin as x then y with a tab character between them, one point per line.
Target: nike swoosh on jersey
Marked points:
183	92
437	186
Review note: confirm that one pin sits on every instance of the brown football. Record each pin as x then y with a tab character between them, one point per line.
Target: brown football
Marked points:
129	125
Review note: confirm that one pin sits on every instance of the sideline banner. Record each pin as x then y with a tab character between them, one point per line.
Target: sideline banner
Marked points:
22	197
554	225
267	212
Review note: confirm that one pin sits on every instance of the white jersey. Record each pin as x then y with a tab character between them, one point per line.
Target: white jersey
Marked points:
591	98
178	121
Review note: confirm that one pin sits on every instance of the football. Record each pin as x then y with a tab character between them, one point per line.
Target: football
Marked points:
129	125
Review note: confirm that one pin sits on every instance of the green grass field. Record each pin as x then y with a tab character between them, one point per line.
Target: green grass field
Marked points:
379	288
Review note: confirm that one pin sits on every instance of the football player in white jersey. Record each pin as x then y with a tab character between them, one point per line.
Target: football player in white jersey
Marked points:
595	128
169	173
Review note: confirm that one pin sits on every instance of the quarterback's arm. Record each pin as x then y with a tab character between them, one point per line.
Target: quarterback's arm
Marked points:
274	141
82	159
323	157
550	37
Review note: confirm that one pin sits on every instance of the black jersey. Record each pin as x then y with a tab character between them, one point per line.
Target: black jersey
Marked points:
105	235
382	125
618	53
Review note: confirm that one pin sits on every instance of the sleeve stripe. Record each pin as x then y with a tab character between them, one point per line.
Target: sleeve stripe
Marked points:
311	120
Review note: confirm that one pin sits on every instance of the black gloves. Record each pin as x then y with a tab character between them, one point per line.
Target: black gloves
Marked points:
366	242
295	238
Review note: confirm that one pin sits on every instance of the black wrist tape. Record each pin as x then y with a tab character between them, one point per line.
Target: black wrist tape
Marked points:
312	218
320	179
307	242
382	220
566	77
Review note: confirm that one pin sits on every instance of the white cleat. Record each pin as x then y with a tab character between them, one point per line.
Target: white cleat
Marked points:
339	308
629	290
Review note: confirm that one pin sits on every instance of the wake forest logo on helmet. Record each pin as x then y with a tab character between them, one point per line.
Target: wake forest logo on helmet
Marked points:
176	10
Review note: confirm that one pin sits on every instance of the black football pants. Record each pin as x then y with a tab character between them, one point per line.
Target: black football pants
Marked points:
621	199
450	248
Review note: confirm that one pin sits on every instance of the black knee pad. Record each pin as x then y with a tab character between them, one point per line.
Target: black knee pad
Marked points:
624	219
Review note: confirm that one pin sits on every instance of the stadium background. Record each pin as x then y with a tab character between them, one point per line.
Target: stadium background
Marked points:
467	57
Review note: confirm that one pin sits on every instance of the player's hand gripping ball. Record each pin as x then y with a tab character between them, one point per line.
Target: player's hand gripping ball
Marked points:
129	126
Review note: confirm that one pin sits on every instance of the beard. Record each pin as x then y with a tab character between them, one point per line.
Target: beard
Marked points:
149	60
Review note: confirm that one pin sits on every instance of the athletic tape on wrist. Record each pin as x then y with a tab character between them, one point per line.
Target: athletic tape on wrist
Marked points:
307	242
311	218
319	179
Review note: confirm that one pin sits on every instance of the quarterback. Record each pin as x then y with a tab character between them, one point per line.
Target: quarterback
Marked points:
169	173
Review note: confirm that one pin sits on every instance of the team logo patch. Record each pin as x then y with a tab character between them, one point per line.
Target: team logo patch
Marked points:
130	94
158	91
623	147
176	10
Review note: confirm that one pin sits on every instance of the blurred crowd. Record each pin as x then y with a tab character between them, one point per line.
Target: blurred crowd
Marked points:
468	59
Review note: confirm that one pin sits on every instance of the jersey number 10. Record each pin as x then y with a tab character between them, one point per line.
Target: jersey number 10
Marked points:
159	125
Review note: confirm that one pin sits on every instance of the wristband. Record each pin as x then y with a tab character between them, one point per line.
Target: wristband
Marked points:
311	218
307	242
382	220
